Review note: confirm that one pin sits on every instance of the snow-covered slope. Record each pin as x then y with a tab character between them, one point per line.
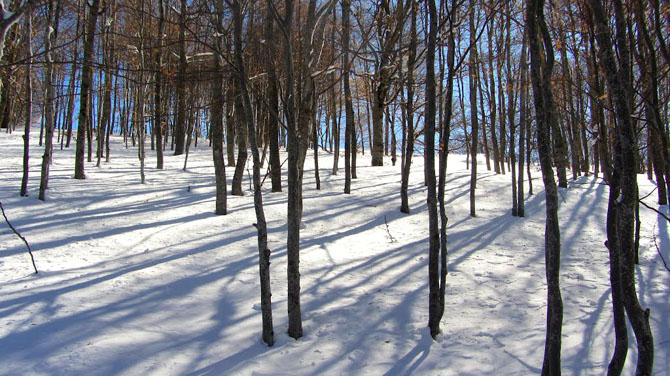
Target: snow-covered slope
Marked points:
145	279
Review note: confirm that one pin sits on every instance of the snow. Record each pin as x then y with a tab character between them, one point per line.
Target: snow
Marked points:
145	279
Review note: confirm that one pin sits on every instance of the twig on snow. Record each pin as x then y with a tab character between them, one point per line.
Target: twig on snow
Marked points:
388	230
20	236
658	249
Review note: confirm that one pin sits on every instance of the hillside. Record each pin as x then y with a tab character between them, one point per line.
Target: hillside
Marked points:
145	279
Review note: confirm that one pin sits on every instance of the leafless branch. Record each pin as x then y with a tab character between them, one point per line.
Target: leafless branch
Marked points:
20	236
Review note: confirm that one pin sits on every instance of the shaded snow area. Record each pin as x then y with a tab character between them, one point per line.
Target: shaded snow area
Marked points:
146	280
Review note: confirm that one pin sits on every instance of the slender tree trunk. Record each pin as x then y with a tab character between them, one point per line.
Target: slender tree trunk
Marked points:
625	171
140	125
180	125
50	39
261	226
349	136
541	66
434	308
273	102
107	91
522	125
492	100
241	131
230	124
335	116
445	133
315	139
511	115
158	110
29	103
86	82
474	134
409	117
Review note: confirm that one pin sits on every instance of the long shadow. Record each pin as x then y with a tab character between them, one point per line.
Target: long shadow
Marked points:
408	363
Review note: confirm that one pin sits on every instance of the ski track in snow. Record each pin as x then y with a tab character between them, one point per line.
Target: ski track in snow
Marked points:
145	279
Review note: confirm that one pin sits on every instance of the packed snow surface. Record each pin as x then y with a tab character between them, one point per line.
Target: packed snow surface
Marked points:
146	280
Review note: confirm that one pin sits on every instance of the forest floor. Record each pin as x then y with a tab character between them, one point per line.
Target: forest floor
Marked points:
146	280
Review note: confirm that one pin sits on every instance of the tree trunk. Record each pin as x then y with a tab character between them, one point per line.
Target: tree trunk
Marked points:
180	125
434	309
474	134
522	125
273	102
158	113
625	171
541	66
29	103
261	226
230	124
241	131
86	82
409	117
107	91
349	132
50	39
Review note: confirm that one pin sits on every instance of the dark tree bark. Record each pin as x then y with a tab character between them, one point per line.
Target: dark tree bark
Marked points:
335	117
389	30
73	78
180	124
315	140
445	133
474	121
522	125
511	114
107	90
409	117
492	104
349	132
299	115
50	39
624	186
230	124
29	103
10	18
650	96
435	309
241	137
86	82
261	226
541	66
221	207
158	108
273	103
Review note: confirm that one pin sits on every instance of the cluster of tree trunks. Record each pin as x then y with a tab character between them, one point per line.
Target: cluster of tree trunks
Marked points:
150	70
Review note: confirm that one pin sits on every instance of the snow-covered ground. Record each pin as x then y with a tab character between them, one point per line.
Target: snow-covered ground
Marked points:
145	279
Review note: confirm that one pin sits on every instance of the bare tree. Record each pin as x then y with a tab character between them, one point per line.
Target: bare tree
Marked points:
349	131
86	82
541	66
474	120
299	116
623	187
390	25
29	102
261	226
51	33
409	114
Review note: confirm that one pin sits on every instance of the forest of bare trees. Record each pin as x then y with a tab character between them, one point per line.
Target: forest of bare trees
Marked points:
578	88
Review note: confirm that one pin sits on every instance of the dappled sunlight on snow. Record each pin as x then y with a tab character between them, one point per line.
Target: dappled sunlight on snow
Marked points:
145	279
